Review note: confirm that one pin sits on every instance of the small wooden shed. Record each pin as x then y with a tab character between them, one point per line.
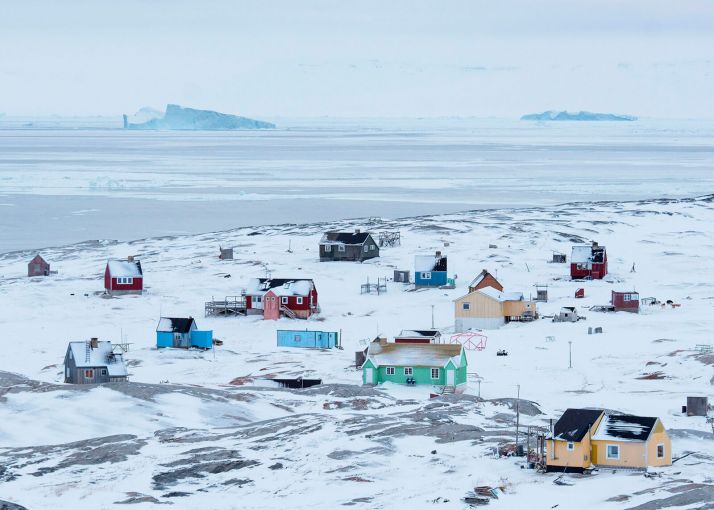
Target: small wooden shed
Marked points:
38	267
625	301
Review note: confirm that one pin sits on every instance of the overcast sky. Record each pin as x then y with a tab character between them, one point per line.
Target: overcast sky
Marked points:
359	58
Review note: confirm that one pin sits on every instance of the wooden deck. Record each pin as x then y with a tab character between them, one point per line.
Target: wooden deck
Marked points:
230	306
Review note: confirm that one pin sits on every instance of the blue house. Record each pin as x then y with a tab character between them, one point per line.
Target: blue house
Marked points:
182	333
430	270
305	338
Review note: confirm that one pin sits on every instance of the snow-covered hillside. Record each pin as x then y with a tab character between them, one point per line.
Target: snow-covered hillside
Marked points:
179	432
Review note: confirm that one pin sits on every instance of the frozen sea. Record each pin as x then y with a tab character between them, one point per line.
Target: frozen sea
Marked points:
62	183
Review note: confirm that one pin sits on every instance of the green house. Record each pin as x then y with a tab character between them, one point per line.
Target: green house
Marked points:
434	364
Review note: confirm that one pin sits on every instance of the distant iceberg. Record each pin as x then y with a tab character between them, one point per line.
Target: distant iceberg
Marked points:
586	116
178	118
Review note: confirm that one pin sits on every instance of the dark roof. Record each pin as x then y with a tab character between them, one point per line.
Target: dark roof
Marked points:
421	332
180	324
272	283
346	237
626	426
575	423
440	264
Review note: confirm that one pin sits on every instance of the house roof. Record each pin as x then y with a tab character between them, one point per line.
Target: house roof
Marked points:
100	357
483	274
124	268
429	263
414	355
575	423
38	259
280	286
175	324
344	238
426	333
501	296
625	427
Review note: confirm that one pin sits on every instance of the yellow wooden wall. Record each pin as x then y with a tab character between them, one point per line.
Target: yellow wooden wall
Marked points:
481	306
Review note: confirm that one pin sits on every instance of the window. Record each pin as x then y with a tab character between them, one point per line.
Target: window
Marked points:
571	446
660	451
372	247
299	300
613	451
366	248
125	281
434	373
426	276
66	372
89	374
328	247
340	247
257	299
284	300
104	371
390	370
296	338
466	306
408	371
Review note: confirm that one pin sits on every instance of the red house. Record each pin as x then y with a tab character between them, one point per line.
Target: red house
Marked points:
38	267
280	297
625	301
123	277
588	262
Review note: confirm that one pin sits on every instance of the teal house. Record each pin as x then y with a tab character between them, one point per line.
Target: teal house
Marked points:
182	333
441	365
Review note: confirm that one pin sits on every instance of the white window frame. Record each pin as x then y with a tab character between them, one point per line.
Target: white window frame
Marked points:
104	371
438	373
284	300
390	370
426	275
571	446
607	452
372	247
125	280
408	371
663	451
298	300
466	306
328	247
366	248
340	247
257	299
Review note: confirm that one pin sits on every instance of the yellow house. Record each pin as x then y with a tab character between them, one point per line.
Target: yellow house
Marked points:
489	308
569	448
626	441
583	438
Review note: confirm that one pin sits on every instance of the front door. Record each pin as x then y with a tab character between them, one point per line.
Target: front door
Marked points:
271	307
450	378
369	376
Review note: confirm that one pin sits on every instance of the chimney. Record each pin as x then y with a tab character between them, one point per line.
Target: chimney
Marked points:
94	342
356	231
595	244
130	258
438	254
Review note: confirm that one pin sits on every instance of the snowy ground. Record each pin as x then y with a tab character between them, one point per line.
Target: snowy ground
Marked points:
180	433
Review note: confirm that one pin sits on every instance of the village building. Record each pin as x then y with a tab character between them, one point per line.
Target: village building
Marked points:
583	438
182	333
418	336
588	262
38	267
488	308
308	339
281	297
567	314
123	277
430	270
348	246
625	301
440	365
485	279
93	362
225	253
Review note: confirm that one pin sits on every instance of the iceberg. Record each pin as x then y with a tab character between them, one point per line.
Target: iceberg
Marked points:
583	116
178	118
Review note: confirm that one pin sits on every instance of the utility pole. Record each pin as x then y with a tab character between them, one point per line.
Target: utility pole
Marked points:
570	354
432	316
518	413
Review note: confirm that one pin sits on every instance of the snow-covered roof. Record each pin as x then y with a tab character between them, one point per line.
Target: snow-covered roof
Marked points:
581	253
417	333
575	423
175	324
426	263
101	356
356	238
124	268
501	296
625	427
414	355
280	286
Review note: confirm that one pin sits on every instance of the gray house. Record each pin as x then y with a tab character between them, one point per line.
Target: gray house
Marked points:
93	362
353	246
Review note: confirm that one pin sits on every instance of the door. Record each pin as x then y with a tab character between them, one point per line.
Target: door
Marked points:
450	378
271	307
369	376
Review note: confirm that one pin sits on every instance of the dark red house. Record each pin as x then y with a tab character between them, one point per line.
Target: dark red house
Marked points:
282	297
625	301
588	262
123	277
38	267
